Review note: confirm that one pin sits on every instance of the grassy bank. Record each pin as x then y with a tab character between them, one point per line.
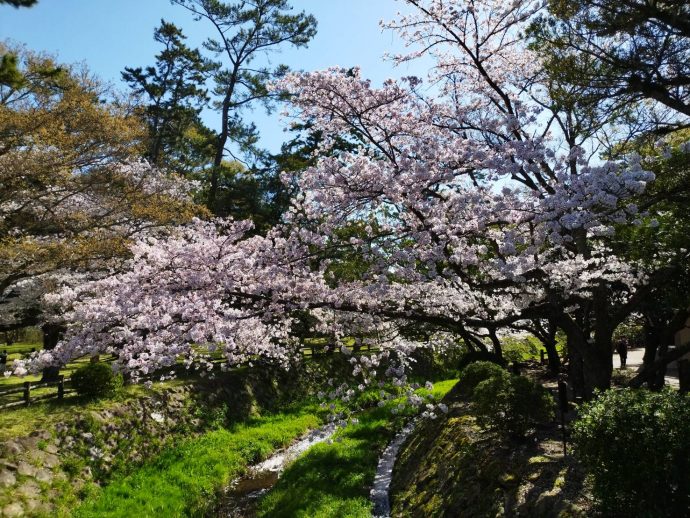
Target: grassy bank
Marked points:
183	481
21	421
334	479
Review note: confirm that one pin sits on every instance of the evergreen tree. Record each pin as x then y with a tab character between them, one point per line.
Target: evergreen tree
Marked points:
244	32
174	93
19	3
622	51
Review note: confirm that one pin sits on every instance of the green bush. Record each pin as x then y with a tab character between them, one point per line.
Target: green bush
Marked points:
474	374
635	445
511	404
521	349
96	380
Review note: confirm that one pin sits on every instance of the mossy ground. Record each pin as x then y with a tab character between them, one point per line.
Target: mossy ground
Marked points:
450	467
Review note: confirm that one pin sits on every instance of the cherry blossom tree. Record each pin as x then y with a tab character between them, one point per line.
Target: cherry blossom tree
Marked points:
485	197
478	204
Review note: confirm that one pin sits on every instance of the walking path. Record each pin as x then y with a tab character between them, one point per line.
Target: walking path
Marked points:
635	363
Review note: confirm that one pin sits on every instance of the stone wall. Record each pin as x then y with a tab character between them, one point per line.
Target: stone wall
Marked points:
51	470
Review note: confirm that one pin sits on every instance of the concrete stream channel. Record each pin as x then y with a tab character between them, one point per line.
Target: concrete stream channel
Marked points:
240	498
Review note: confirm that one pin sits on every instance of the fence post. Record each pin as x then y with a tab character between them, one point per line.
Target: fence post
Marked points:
61	387
27	393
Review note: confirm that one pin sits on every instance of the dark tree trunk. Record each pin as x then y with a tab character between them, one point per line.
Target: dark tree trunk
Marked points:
552	355
576	375
591	361
659	334
547	336
51	336
598	363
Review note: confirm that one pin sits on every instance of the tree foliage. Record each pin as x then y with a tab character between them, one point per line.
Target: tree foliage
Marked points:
635	443
72	191
173	93
620	52
244	33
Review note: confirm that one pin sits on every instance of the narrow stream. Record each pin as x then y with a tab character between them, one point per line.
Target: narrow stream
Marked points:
240	498
384	473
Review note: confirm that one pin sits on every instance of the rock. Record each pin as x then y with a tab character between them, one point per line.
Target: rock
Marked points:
30	443
36	507
51	448
43	475
41	434
26	469
51	461
29	489
7	478
12	510
8	465
36	456
12	448
158	417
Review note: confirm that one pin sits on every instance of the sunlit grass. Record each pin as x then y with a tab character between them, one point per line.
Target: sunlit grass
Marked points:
334	479
21	421
184	480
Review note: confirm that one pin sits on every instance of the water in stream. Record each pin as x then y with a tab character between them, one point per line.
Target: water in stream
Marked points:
241	497
379	495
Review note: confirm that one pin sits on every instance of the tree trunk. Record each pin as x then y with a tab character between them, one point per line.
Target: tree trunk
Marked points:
591	362
576	375
554	359
51	336
598	364
549	342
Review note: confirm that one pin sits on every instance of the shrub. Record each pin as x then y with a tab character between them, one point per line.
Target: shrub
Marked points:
636	447
474	374
521	349
511	404
96	380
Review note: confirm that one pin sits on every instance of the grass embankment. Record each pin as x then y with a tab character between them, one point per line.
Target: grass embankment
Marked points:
184	480
18	422
334	479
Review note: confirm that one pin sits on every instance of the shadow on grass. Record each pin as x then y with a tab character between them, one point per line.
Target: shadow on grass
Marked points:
332	479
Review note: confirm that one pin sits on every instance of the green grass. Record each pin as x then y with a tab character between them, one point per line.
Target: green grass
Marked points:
184	480
17	422
333	480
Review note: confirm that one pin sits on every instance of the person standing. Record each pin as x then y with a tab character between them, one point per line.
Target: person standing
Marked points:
622	349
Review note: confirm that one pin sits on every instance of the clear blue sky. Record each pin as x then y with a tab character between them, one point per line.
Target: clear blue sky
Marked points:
108	35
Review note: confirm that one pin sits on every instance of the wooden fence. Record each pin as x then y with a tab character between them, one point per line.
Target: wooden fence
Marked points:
26	389
26	398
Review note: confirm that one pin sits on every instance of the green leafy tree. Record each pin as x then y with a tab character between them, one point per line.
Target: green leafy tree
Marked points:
173	91
635	444
244	31
663	238
622	51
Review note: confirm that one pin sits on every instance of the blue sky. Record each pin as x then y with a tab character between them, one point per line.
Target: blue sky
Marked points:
108	35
